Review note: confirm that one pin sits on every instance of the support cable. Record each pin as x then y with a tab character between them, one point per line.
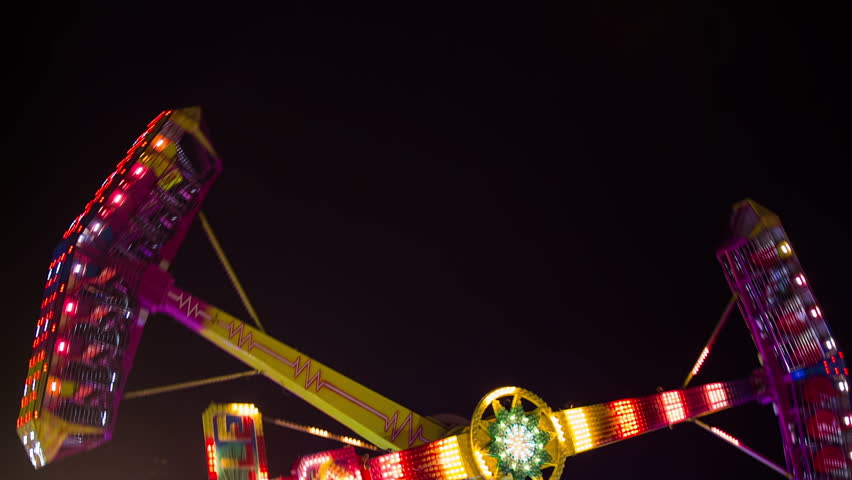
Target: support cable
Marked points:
321	433
748	451
230	271
147	392
713	336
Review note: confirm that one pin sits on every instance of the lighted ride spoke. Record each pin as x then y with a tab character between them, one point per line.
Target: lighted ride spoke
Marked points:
595	426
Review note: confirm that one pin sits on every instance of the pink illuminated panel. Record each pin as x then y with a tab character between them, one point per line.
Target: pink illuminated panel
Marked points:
673	405
716	396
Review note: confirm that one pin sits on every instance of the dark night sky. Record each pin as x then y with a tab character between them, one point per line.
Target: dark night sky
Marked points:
439	203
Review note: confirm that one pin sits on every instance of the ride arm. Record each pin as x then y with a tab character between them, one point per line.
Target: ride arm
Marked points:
470	454
376	418
595	426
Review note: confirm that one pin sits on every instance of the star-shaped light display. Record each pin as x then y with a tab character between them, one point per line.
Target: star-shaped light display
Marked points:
518	443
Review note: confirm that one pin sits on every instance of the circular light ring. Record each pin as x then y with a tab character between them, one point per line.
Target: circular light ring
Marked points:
537	425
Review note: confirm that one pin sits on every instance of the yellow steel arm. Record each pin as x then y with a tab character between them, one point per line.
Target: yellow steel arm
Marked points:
376	418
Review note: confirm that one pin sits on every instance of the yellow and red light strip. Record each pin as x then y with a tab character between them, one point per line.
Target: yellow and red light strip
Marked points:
594	426
440	460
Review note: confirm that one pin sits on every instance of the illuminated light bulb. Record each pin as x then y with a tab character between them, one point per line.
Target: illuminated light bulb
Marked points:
784	248
53	386
139	171
816	312
159	143
96	226
800	280
117	198
61	347
70	307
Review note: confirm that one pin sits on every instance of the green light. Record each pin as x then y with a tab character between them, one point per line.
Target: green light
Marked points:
518	443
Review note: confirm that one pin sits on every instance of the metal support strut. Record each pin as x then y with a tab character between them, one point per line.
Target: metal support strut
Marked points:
231	274
713	336
236	282
748	451
321	433
147	392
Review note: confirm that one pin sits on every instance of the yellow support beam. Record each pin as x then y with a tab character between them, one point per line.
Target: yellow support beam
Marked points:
377	419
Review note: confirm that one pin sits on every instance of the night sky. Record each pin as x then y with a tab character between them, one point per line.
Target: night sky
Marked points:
438	203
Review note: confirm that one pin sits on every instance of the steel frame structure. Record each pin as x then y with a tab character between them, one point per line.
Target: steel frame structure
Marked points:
111	271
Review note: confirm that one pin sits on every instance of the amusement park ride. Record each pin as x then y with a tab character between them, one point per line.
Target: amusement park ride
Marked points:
110	272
